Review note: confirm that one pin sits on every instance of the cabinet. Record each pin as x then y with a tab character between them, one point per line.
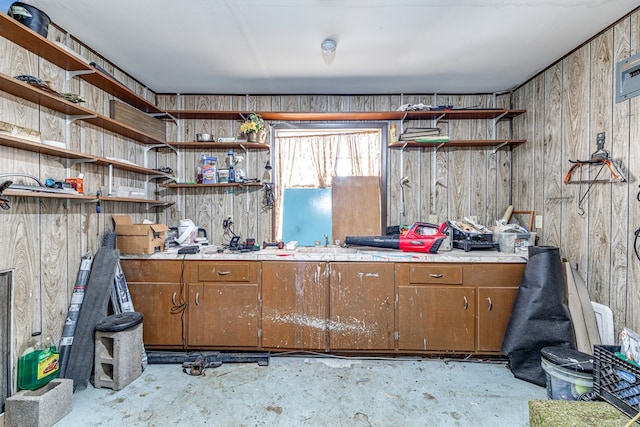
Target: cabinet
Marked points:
156	290
436	310
361	306
223	304
294	305
497	286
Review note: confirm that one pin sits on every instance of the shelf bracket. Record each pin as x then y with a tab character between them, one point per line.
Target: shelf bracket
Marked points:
495	124
152	177
71	119
165	114
67	163
148	148
157	205
437	119
499	146
75	202
72	74
439	146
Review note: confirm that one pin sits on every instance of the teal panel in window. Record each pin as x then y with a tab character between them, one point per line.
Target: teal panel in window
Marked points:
306	215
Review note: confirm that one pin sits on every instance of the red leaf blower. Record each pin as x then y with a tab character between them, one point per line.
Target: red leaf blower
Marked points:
421	237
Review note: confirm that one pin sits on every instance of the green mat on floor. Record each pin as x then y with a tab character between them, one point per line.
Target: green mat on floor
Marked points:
568	413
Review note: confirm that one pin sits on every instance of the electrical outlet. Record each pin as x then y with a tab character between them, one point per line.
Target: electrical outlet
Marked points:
538	221
433	219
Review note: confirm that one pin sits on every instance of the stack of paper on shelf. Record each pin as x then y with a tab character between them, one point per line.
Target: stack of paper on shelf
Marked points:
412	133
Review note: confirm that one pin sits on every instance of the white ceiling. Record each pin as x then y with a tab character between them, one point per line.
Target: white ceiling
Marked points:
384	46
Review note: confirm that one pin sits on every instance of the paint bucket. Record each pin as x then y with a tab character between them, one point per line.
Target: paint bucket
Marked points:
187	231
569	374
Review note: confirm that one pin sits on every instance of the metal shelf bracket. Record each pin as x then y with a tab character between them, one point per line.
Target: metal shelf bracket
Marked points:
71	119
499	146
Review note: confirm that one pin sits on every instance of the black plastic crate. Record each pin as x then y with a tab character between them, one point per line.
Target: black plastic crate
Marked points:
615	380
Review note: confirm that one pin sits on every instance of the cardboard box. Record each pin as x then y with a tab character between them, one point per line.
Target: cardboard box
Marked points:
138	238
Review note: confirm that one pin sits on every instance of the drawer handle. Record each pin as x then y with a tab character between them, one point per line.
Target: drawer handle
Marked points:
490	304
466	303
173	299
197	298
223	273
436	275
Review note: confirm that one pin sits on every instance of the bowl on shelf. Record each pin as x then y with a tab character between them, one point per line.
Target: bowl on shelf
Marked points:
204	137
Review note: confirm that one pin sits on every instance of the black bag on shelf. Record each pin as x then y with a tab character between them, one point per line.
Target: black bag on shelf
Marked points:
31	17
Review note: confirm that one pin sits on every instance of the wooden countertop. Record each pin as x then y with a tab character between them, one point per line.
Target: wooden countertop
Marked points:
342	254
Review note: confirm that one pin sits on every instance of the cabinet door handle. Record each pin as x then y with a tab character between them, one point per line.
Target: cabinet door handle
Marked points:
490	304
223	273
173	299
436	275
466	303
197	298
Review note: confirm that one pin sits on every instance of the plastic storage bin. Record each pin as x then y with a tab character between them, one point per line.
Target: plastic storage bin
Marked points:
616	380
569	374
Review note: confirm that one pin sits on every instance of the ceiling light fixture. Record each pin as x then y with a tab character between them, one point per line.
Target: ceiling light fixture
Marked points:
328	46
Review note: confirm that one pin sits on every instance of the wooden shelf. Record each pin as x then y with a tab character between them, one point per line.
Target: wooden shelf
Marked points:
462	114
223	184
221	145
496	143
35	193
37	147
82	197
25	37
31	93
133	200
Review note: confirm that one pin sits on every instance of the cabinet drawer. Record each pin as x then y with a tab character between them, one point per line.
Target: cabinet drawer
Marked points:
436	274
226	272
142	270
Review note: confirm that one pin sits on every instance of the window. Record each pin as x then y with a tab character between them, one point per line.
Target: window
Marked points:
308	157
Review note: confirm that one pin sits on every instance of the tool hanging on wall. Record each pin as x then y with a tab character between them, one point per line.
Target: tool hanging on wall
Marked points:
4	201
600	158
404	181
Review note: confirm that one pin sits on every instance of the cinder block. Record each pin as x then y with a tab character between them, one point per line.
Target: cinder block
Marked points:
118	358
40	408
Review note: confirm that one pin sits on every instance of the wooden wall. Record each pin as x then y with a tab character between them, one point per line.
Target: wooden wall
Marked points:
44	239
444	184
567	105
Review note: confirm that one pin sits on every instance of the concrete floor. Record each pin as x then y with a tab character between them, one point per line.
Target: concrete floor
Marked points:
315	391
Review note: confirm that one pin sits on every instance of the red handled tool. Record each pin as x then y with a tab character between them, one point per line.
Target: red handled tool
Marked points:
421	237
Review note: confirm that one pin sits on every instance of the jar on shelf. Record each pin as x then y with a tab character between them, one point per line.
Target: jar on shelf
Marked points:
209	170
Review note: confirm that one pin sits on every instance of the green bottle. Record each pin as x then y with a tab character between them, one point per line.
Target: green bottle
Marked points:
39	362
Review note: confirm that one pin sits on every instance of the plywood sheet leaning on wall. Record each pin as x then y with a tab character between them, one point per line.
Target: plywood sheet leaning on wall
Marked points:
355	206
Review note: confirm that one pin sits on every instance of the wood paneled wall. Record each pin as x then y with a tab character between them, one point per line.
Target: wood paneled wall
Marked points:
445	183
44	239
567	105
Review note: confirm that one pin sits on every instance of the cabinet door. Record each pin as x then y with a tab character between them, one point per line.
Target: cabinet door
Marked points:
438	318
361	309
494	311
294	305
223	315
156	292
162	308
